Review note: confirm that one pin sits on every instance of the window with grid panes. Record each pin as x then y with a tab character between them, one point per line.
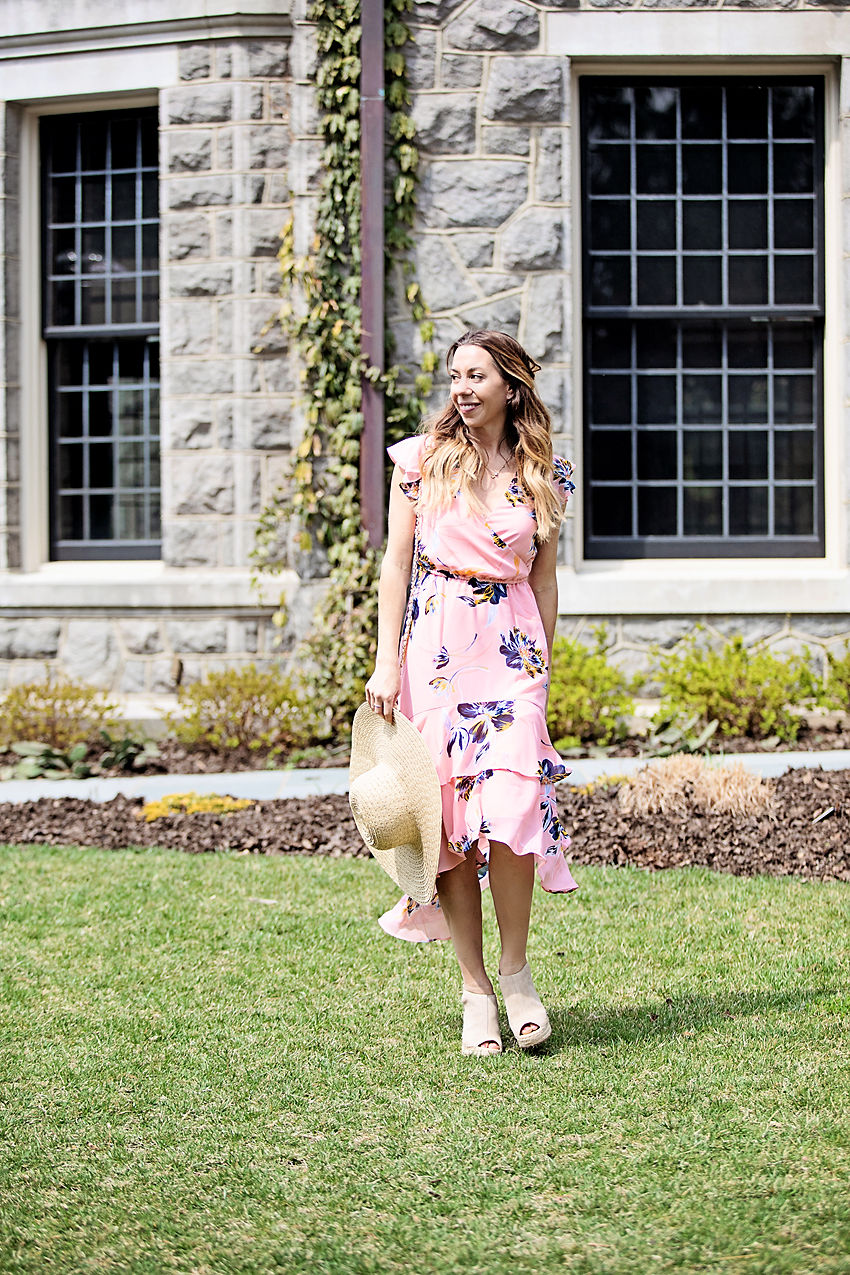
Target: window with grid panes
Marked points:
101	327
703	316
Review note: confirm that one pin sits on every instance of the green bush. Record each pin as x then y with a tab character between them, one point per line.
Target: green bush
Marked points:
836	691
56	711
242	708
589	698
747	692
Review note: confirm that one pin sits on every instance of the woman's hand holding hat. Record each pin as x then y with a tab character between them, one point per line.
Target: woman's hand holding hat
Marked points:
383	687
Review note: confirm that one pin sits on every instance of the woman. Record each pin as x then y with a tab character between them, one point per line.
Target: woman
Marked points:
479	497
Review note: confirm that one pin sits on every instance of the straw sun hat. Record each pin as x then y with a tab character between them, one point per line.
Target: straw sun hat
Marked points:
394	795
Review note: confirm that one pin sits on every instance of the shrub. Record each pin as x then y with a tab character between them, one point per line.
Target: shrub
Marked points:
56	711
748	692
242	708
683	783
836	692
589	698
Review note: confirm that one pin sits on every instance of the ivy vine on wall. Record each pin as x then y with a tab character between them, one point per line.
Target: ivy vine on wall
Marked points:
320	314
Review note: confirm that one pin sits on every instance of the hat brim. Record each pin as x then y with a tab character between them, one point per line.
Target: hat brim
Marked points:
375	741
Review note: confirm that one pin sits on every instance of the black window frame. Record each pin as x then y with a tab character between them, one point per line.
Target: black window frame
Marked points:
680	317
126	352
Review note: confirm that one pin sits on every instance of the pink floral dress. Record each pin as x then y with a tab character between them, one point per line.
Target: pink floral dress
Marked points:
473	682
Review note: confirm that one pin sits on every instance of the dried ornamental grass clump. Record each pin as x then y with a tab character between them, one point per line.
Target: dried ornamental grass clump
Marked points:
684	783
191	803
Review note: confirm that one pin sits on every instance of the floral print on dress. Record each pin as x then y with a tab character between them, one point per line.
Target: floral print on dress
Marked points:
563	471
550	772
497	715
411	489
522	653
481	591
552	823
464	784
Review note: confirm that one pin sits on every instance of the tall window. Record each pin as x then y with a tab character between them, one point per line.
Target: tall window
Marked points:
101	325
703	316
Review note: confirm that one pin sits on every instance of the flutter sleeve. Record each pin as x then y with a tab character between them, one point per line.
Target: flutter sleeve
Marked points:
562	472
408	456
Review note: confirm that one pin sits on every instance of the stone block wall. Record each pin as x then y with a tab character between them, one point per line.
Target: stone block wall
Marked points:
10	318
227	410
492	248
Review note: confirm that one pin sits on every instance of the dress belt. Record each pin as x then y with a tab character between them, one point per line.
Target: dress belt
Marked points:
427	567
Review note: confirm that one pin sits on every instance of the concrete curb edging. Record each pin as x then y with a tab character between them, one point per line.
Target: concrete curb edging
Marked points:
265	785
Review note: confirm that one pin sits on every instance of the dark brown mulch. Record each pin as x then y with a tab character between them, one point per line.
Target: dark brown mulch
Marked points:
789	844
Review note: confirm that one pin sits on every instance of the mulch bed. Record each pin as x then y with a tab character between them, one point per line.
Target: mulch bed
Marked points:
792	842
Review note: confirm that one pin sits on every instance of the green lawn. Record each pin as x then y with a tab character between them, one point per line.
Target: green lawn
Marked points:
219	1064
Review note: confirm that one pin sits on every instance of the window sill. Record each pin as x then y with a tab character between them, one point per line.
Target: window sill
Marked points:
716	587
130	585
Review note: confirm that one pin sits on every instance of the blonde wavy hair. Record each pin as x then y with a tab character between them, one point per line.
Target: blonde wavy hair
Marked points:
454	461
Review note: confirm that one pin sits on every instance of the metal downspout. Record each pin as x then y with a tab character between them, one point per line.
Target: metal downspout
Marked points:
372	263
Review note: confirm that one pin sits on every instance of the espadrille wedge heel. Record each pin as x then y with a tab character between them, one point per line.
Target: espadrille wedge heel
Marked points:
524	1008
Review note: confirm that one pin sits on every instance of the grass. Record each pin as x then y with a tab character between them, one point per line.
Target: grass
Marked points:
219	1065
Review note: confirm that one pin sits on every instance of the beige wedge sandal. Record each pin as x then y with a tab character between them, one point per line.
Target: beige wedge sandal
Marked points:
480	1024
524	1008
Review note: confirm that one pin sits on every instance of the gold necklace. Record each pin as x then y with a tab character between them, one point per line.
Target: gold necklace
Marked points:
498	471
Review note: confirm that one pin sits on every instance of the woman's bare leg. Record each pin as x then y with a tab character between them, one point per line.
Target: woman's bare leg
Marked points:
511	885
459	893
460	898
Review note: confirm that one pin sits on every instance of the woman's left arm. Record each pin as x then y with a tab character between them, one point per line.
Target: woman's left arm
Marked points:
543	579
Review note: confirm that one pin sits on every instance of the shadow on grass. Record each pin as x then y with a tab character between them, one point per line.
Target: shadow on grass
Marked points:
674	1016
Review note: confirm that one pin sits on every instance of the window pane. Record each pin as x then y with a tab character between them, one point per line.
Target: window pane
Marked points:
656	224
702	454
656	170
71	518
655	112
70	363
792	347
610	281
94	252
748	281
702	281
63	201
748	511
702	511
701	224
64	255
656	344
124	301
100	414
610	344
71	465
656	284
93	302
609	113
702	399
657	511
747	399
69	415
794	453
93	199
794	282
611	398
702	169
610	224
793	167
131	465
656	400
101	515
93	145
611	511
131	408
100	465
747	223
794	511
793	110
793	400
123	136
746	110
747	166
131	518
701	107
611	456
747	347
747	454
609	170
657	455
702	347
131	360
793	223
124	249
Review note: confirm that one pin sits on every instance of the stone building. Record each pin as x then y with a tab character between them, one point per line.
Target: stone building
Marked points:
654	196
